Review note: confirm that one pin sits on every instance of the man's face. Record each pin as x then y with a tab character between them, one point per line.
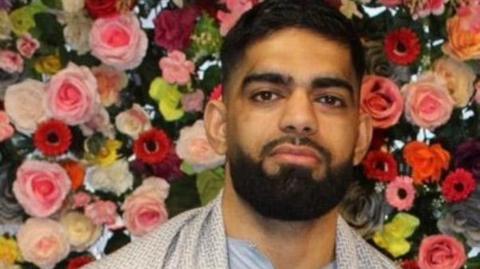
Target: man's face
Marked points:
293	126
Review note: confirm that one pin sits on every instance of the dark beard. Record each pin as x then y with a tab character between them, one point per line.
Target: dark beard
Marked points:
292	194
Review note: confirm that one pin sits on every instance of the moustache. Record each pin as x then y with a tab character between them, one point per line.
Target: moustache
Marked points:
297	141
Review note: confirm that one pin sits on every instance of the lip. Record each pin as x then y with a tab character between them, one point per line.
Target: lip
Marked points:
300	155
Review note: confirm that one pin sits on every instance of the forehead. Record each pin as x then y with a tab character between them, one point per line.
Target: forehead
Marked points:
299	53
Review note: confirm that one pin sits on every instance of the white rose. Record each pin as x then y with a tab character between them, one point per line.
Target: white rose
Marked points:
194	148
81	231
132	122
77	32
73	6
24	104
114	178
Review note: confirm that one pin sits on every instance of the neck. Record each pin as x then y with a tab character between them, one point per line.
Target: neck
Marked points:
287	244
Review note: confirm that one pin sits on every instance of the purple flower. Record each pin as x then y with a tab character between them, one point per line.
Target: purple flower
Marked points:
5	4
467	156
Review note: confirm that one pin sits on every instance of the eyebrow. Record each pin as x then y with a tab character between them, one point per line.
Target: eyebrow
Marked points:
285	80
269	77
327	82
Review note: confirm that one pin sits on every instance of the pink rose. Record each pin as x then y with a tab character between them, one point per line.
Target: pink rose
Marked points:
11	62
427	101
381	99
41	187
119	41
43	242
194	148
100	122
145	210
176	68
424	8
110	82
24	105
81	199
27	45
441	252
6	130
133	121
193	102
102	212
236	9
469	19
72	95
477	92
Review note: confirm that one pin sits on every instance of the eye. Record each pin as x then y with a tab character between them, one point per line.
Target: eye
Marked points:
331	100
265	96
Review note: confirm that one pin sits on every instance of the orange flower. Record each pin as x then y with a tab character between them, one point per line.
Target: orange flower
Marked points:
76	172
426	161
462	44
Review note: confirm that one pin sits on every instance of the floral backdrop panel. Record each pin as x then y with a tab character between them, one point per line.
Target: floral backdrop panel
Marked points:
102	138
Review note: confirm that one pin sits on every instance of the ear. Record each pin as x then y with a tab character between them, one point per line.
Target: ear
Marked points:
215	118
364	138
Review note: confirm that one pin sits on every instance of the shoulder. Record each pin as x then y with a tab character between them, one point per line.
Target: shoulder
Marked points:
152	250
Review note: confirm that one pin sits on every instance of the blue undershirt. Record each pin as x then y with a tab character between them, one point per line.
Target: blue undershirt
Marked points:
244	255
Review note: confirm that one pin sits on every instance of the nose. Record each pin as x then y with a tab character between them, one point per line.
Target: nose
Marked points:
298	117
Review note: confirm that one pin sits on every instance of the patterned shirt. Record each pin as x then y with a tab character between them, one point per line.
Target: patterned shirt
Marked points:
196	240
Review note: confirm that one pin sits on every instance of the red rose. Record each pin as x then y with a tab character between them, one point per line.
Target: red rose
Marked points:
173	28
80	261
105	8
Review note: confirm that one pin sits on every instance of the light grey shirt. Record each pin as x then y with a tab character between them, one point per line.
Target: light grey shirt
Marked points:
196	240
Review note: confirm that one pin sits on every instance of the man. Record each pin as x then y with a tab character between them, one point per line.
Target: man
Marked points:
291	129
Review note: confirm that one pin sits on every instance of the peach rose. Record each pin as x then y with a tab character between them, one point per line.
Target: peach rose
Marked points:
77	31
80	229
73	6
41	187
441	252
133	122
6	130
176	68
118	41
194	148
27	45
72	95
23	104
459	77
462	44
381	99
110	82
427	102
145	210
43	242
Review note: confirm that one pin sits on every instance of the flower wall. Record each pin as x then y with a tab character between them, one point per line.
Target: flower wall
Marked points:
102	139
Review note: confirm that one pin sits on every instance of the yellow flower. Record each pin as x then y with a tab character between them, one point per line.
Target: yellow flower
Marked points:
5	25
9	252
107	154
22	19
394	234
49	65
169	99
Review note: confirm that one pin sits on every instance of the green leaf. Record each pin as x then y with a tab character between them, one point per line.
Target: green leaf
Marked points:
209	184
50	30
187	168
212	78
183	196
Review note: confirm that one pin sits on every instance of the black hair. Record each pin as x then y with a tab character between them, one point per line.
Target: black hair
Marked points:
273	15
